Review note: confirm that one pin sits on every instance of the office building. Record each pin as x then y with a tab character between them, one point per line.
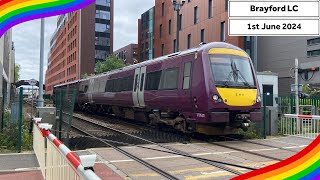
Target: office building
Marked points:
81	39
129	54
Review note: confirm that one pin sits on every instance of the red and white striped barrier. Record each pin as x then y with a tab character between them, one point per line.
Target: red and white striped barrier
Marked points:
302	116
81	164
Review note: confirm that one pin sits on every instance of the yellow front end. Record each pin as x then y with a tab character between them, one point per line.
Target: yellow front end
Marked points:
238	97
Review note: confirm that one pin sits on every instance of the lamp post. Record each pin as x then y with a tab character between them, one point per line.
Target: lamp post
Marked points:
177	4
40	99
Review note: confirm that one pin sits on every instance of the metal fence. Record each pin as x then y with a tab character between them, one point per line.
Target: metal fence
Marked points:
65	100
56	160
300	125
12	124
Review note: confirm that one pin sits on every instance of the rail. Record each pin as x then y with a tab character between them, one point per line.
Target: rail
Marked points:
56	160
307	126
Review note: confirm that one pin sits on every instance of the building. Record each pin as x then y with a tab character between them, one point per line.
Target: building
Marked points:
7	63
200	21
277	54
146	35
128	53
81	39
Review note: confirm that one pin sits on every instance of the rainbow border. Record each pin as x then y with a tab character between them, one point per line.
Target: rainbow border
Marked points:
53	8
304	166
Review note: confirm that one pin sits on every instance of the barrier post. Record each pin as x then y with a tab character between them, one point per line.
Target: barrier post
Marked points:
264	116
20	120
60	114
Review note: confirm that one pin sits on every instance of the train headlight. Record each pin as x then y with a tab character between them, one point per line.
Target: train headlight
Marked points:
215	97
258	99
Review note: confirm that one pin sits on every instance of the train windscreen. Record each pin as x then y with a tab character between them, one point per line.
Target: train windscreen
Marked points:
231	71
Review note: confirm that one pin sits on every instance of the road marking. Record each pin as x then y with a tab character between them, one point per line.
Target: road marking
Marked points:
177	171
17	154
209	176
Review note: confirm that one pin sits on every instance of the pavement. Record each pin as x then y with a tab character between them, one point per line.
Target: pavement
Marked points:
111	164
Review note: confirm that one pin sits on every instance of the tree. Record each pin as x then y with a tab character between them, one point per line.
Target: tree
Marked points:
85	76
111	63
310	90
16	72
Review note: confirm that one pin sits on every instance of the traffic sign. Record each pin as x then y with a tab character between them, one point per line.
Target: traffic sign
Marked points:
32	82
293	88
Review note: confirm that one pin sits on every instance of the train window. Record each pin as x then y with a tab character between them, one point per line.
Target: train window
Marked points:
130	83
169	79
102	86
142	81
109	86
117	85
153	80
86	89
186	75
136	83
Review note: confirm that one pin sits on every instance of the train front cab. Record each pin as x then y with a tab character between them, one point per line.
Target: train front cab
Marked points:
234	98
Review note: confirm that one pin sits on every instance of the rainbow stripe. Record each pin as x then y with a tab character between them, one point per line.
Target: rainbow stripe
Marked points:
13	12
304	166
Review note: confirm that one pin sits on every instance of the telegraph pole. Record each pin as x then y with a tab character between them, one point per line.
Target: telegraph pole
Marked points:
40	99
297	84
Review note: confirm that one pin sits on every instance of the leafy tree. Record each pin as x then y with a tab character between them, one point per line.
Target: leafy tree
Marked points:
111	63
16	72
311	91
86	75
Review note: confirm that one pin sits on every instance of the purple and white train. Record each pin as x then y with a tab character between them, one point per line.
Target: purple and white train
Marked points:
211	89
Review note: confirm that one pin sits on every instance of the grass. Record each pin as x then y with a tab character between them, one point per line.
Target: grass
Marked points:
9	135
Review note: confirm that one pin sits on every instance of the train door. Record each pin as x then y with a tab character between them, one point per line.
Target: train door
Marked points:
138	87
186	85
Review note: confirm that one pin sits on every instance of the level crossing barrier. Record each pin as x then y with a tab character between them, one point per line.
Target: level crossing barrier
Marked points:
307	126
56	160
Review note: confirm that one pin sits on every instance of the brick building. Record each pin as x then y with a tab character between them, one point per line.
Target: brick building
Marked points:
129	54
200	21
81	39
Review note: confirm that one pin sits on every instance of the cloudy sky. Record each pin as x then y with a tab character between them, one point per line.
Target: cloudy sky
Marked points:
26	36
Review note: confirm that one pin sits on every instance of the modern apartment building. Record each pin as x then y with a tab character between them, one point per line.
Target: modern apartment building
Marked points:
278	54
7	63
81	39
129	54
199	21
146	35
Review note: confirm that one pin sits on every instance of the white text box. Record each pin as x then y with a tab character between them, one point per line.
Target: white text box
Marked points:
278	27
273	9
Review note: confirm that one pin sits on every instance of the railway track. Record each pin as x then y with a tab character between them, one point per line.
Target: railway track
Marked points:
220	165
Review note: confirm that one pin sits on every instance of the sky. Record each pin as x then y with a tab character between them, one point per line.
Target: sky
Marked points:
26	36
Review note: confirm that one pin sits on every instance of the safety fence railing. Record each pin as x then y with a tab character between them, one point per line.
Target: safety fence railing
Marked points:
300	125
56	160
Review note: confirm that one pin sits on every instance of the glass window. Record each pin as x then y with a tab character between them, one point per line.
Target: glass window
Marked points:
162	49
180	22
162	9
169	79
103	2
170	26
153	80
189	41
136	83
202	35
103	14
174	46
186	75
222	31
226	5
195	20
210	9
313	41
229	70
102	28
314	53
102	41
142	81
160	31
100	54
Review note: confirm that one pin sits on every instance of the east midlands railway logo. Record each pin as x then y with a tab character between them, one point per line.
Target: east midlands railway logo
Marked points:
13	12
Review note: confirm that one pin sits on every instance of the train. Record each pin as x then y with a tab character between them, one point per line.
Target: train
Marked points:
211	89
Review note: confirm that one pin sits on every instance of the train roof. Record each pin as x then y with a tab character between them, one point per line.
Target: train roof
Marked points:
201	47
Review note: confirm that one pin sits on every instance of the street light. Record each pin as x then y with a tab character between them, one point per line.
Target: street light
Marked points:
177	4
40	98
